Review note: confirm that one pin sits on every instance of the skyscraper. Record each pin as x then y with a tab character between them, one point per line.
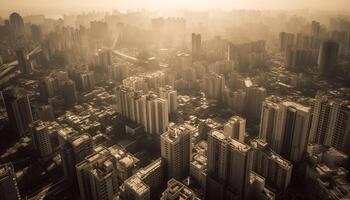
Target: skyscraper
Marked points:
18	110
147	110
47	88
69	93
45	113
285	125
157	114
229	166
276	170
315	28
235	128
75	147
300	58
293	135
41	139
98	174
36	33
327	57
255	97
17	24
331	123
146	182
104	58
85	80
196	45
270	117
286	41
24	65
176	151
170	95
8	183
214	85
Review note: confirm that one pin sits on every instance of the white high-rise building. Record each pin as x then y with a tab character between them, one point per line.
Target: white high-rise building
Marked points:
157	114
331	123
147	110
285	127
176	150
270	118
293	134
235	128
229	166
276	170
170	95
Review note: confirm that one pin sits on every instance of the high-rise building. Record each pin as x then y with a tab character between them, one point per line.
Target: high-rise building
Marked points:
315	28
196	45
235	100
75	147
104	58
45	113
214	85
119	72
176	150
36	33
17	24
255	97
302	41
157	115
98	173
41	139
70	93
177	190
229	166
327	57
99	180
24	65
270	118
47	88
286	41
85	80
301	58
170	95
343	39
8	183
257	188
235	128
285	126
331	123
147	110
276	170
18	110
181	61
146	182
293	134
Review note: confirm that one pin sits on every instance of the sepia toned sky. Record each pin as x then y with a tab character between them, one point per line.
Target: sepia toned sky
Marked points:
80	5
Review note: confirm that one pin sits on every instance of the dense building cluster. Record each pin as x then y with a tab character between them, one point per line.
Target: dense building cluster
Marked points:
106	106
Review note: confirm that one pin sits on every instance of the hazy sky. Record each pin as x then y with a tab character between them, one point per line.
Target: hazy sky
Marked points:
79	5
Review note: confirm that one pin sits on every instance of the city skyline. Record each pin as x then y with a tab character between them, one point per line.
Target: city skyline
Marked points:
30	7
195	100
